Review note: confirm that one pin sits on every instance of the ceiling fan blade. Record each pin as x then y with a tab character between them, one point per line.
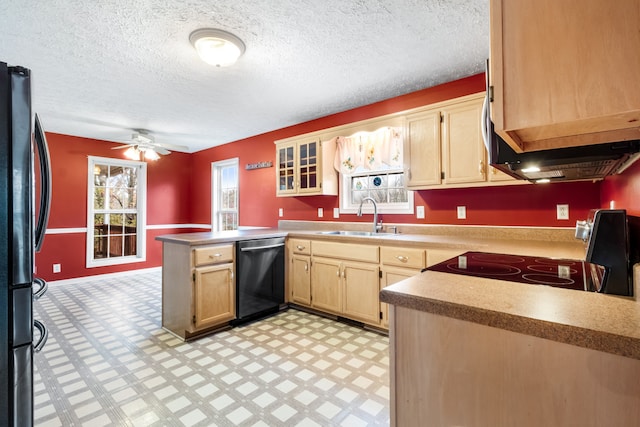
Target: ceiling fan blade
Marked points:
161	150
171	146
122	146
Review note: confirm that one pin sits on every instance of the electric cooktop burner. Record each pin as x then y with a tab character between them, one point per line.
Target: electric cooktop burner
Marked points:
561	273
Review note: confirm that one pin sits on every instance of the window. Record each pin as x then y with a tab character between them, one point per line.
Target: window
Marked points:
115	223
224	175
370	165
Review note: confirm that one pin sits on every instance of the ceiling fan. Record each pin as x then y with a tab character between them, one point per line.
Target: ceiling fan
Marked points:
143	146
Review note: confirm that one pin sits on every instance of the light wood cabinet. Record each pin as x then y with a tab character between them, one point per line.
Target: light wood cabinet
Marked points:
345	280
304	167
300	271
198	288
214	296
444	147
326	285
565	73
361	292
397	264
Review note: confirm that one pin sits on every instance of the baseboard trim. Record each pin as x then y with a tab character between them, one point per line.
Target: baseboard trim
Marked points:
84	279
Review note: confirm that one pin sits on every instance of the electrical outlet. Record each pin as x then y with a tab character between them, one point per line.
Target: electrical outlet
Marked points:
462	212
56	268
336	212
420	212
320	212
563	211
280	212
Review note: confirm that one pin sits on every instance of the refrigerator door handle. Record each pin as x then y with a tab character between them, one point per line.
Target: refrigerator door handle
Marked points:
45	184
43	286
44	334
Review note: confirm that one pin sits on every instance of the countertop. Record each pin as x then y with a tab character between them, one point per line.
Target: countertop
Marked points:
601	322
597	321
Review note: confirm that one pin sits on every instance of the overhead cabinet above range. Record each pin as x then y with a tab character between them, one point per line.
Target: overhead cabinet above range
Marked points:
565	73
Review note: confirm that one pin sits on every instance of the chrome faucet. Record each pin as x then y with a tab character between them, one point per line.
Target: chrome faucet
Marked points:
376	227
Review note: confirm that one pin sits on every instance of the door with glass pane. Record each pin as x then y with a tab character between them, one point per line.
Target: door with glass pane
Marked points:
286	169
308	164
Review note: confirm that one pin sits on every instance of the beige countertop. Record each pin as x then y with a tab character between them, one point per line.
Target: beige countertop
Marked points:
597	321
209	238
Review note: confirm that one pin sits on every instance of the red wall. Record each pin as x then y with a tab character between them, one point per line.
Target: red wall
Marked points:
168	202
179	189
531	205
623	190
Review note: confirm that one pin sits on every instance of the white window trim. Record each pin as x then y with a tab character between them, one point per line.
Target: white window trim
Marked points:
214	196
346	207
141	239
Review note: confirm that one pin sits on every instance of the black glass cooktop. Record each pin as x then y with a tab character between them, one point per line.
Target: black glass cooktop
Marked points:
561	273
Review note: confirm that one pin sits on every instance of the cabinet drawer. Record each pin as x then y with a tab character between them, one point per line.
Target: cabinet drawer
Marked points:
350	251
213	255
300	246
403	257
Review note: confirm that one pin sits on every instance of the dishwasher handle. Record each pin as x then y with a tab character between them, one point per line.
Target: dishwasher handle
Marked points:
259	248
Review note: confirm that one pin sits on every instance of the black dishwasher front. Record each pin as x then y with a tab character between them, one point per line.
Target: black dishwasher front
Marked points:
259	278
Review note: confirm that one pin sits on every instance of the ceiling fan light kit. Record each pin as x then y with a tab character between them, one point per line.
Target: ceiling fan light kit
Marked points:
217	47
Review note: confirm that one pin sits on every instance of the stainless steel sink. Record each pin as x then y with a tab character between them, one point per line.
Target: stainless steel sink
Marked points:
355	233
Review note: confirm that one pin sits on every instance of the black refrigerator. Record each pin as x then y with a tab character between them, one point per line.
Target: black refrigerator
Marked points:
24	161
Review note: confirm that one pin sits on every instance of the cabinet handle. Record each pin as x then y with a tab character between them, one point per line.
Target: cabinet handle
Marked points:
481	167
215	256
300	247
306	267
338	273
402	258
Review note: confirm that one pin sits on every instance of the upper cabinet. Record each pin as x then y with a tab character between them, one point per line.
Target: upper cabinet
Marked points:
444	147
305	167
565	73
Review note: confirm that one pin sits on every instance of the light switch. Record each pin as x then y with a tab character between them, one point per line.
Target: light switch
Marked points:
320	212
336	212
280	212
420	212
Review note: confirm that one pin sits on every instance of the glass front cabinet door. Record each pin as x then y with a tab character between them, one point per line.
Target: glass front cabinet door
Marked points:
287	169
299	168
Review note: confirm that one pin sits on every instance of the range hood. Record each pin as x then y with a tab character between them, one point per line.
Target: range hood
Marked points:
591	162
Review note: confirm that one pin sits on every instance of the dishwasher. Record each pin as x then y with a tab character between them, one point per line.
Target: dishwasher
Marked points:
259	278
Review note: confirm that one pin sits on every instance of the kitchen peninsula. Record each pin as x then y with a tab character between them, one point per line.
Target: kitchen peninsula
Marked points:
475	351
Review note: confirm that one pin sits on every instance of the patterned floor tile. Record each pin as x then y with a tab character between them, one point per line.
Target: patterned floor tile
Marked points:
109	362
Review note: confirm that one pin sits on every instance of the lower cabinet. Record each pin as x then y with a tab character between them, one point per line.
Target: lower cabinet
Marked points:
198	288
326	285
346	288
391	275
214	295
345	279
361	293
301	279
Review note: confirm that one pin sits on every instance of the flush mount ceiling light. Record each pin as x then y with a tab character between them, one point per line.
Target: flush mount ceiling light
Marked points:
217	47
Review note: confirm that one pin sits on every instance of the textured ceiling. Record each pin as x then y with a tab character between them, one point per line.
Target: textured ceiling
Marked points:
103	68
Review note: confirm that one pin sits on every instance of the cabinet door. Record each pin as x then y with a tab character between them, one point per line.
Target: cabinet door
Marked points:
325	285
300	279
361	284
286	173
551	59
464	153
391	275
308	166
423	149
214	295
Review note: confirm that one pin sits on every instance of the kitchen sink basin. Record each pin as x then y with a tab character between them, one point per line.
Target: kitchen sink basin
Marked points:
354	233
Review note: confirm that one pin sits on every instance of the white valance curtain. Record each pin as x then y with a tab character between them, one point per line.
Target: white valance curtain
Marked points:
369	151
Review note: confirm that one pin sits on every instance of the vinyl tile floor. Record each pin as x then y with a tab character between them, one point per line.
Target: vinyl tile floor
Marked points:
108	362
